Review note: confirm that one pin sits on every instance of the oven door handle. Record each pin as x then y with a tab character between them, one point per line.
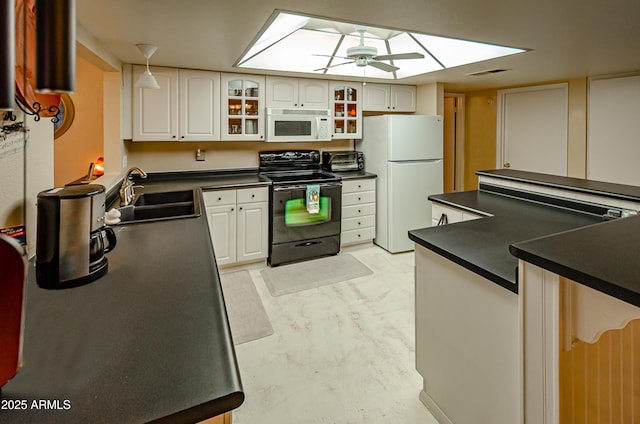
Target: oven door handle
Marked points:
304	186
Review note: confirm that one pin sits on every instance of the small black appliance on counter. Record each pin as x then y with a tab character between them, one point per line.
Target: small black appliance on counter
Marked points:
339	161
72	238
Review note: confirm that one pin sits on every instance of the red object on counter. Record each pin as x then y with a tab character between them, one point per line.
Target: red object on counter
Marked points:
13	271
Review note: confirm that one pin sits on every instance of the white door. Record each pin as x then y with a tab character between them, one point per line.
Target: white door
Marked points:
532	129
414	137
313	94
222	227
408	206
282	92
403	98
199	114
612	148
376	97
155	111
252	231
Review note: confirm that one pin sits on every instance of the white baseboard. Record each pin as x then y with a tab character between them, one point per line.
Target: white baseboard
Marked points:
433	407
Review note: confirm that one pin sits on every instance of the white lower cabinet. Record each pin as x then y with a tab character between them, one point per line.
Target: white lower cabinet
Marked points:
441	215
467	344
358	211
238	224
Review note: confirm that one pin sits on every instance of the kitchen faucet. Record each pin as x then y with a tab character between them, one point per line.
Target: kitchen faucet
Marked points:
127	188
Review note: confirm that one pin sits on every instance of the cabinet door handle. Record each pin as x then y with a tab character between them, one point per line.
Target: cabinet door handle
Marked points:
240	208
219	199
253	195
506	165
232	209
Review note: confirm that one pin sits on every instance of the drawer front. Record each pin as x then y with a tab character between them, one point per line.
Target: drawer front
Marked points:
250	195
453	215
358	198
358	210
350	186
357	236
358	223
219	197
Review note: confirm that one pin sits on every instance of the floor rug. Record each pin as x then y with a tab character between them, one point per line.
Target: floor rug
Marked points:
296	277
247	318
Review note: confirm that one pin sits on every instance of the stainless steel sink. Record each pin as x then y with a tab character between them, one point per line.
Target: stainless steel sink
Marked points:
160	206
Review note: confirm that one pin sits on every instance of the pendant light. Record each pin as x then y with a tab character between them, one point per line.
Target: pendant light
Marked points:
7	52
55	46
147	80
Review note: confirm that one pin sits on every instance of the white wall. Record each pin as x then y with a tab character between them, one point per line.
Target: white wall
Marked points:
17	191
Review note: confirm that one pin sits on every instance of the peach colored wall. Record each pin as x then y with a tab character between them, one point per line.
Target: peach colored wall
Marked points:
83	142
480	135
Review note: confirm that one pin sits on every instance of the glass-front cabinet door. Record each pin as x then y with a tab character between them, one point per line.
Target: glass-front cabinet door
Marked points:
242	107
346	107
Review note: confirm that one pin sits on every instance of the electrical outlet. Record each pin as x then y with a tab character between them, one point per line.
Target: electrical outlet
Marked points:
200	155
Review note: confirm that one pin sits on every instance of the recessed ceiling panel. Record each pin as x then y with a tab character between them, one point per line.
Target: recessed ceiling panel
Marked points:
318	46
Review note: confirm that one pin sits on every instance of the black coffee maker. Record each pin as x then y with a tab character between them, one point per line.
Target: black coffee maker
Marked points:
72	238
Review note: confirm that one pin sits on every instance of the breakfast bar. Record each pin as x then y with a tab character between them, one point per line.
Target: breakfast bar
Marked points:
555	245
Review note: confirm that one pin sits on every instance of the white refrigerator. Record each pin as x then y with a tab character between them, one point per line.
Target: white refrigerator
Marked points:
405	151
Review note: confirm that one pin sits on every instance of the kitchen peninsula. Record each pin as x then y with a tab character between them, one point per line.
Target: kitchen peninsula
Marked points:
480	310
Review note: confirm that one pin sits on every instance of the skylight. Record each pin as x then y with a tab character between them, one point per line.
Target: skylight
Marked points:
298	43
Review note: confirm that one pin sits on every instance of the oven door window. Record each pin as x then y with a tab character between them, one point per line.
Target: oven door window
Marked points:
291	222
295	212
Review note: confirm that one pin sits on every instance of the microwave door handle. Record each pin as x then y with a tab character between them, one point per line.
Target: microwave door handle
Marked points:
317	127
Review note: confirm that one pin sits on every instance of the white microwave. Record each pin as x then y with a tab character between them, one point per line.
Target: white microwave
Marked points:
298	124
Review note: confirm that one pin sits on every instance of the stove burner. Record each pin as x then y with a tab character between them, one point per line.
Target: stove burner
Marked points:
295	166
301	176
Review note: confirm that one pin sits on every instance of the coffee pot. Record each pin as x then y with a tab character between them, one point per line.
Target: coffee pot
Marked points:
71	236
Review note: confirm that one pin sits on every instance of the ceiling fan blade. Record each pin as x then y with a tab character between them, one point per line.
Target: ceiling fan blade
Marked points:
383	66
399	56
328	55
333	66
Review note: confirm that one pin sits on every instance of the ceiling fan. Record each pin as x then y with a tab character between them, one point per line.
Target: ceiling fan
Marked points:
363	55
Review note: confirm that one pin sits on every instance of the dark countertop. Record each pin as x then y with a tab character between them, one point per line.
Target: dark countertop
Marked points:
355	175
482	245
616	191
603	257
148	341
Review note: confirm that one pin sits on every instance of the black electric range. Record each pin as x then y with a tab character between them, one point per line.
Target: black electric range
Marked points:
296	231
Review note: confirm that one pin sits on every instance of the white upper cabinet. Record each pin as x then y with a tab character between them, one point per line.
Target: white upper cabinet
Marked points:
242	101
297	93
389	98
155	111
185	108
198	108
346	109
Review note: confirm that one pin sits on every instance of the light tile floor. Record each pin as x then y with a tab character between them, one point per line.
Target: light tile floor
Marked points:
343	353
